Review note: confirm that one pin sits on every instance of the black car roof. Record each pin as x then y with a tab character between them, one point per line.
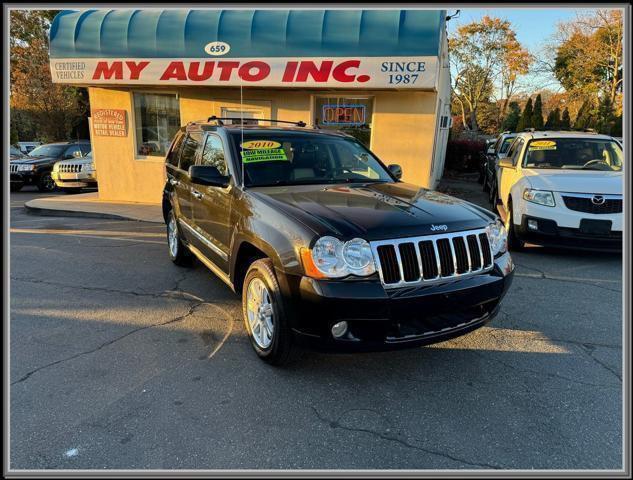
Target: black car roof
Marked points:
233	128
70	142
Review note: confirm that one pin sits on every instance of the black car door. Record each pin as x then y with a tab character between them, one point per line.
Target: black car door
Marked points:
182	184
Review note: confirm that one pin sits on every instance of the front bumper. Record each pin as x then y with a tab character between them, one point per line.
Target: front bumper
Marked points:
550	234
405	317
74	180
24	178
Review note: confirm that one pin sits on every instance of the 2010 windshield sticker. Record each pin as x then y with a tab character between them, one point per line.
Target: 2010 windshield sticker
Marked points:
542	145
262	151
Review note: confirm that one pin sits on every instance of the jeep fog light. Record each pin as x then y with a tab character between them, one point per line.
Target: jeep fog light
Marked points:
339	329
532	224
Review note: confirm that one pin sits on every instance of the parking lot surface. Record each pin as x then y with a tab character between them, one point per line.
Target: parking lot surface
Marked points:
120	359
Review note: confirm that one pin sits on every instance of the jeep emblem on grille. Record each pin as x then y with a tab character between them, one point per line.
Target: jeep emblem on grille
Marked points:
435	228
597	199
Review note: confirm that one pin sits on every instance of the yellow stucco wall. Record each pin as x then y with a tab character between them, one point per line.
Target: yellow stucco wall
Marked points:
402	132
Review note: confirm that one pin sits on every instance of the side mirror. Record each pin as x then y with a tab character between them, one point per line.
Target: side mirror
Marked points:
208	175
396	170
505	163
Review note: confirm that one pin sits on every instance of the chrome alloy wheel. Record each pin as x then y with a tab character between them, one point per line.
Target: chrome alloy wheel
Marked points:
260	313
172	236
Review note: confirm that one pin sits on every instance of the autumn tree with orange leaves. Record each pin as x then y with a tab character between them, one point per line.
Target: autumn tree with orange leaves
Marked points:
487	59
39	108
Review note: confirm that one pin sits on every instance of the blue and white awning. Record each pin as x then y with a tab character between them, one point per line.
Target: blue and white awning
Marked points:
307	48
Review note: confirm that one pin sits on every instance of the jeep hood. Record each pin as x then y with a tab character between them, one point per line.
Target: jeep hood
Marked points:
36	160
374	211
570	181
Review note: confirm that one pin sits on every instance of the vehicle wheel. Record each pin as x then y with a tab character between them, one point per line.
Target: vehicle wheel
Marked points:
178	252
71	190
264	315
492	196
16	187
514	242
486	188
46	183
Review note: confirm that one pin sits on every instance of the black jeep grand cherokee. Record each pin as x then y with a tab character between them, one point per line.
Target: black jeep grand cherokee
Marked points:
325	244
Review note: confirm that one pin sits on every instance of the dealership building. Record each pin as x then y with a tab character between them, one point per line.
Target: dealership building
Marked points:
381	75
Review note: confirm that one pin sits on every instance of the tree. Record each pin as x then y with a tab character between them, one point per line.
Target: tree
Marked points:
537	114
488	118
565	121
553	120
526	117
585	117
606	117
511	121
39	109
484	54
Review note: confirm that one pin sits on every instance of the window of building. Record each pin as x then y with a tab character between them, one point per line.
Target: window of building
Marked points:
352	115
189	149
213	154
157	119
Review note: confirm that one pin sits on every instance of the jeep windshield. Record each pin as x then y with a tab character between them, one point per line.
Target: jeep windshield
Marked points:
278	158
48	151
573	154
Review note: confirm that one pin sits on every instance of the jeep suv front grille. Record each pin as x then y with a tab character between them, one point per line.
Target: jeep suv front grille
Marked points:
14	168
432	258
70	167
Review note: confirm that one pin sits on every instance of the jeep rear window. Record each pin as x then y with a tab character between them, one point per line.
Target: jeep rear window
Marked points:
276	158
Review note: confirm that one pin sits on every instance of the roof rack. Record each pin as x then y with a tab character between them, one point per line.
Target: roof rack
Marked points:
589	130
219	120
529	130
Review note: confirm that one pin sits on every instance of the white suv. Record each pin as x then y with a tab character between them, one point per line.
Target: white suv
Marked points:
562	189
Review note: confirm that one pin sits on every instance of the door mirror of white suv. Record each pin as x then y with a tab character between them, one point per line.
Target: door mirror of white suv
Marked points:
505	163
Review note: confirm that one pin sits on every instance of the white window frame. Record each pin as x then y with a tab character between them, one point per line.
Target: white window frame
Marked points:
132	127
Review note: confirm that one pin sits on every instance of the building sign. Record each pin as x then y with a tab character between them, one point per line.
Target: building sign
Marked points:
343	114
108	122
361	72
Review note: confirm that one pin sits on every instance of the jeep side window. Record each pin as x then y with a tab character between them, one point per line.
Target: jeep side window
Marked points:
189	149
213	154
172	156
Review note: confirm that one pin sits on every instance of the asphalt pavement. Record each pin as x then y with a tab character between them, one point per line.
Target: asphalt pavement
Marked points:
120	359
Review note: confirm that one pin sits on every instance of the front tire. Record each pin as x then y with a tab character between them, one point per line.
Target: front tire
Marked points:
46	183
16	187
514	242
264	314
178	251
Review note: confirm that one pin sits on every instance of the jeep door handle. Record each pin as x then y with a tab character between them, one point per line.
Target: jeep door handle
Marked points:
174	182
197	194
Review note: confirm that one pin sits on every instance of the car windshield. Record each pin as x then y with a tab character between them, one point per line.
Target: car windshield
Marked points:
574	153
506	144
48	151
280	158
16	152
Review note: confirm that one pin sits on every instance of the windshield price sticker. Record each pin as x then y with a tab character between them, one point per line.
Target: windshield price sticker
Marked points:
264	155
542	145
259	144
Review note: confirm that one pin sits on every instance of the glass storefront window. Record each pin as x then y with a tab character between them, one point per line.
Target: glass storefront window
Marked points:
352	115
157	119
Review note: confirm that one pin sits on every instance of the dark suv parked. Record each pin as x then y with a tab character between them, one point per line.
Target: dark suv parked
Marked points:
325	244
35	168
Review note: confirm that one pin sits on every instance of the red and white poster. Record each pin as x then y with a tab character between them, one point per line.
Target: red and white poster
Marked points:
362	72
109	122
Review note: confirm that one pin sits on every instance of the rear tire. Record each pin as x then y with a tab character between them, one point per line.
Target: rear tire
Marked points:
514	242
263	310
492	196
486	188
16	187
178	251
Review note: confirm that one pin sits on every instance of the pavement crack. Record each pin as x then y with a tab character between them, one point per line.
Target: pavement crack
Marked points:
163	294
544	276
190	312
392	438
589	349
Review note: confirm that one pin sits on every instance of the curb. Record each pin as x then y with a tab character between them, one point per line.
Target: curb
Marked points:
50	212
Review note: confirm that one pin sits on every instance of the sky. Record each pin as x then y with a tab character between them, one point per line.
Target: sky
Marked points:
533	26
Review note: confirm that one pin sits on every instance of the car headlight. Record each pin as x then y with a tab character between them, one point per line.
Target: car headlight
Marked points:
331	258
498	238
26	168
541	197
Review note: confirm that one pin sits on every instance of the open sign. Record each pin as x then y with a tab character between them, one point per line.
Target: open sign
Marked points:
343	114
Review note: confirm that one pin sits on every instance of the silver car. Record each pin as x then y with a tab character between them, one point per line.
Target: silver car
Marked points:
71	176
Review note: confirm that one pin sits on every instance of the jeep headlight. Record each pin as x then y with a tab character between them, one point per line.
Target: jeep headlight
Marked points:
541	197
497	237
26	168
331	258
